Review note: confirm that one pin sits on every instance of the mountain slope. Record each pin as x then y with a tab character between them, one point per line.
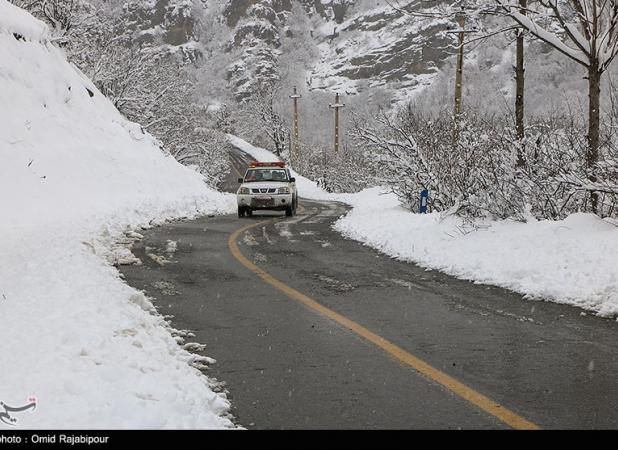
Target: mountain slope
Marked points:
356	45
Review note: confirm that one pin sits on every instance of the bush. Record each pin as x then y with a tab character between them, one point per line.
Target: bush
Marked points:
473	169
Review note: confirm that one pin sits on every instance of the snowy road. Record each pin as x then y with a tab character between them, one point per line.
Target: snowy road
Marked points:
290	363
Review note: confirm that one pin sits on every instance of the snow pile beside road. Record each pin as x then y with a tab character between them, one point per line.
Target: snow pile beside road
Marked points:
572	261
74	176
257	153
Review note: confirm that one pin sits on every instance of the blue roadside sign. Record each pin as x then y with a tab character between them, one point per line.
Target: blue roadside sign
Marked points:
424	198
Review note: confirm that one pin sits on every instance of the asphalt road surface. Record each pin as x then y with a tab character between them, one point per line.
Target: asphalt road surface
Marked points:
311	330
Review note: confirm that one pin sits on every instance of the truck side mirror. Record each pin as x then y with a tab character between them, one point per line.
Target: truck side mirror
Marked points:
292	180
240	180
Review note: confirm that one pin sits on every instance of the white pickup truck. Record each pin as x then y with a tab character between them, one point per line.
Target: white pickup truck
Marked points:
267	186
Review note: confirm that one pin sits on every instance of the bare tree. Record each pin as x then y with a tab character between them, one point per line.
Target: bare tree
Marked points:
588	34
520	80
60	15
474	12
263	117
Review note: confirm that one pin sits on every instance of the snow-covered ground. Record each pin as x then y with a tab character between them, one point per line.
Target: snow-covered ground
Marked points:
75	176
572	261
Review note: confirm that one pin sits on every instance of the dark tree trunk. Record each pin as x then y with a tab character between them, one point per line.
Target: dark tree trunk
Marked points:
519	91
594	113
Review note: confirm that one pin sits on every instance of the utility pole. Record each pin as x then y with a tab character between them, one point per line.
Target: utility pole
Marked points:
461	32
336	106
461	20
519	89
296	147
290	148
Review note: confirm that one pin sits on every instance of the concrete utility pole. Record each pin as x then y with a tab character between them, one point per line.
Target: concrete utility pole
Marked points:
461	20
336	106
461	32
290	147
296	147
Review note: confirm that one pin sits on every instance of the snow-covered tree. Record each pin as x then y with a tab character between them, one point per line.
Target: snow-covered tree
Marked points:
262	117
412	150
149	83
60	15
586	31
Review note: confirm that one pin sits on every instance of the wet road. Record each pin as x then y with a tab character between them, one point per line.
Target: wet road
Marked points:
287	363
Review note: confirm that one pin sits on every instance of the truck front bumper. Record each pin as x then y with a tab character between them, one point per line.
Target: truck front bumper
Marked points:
277	202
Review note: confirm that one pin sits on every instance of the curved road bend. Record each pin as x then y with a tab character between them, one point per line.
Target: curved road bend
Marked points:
386	344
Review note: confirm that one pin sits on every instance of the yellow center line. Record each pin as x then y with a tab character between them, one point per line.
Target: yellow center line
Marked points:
476	398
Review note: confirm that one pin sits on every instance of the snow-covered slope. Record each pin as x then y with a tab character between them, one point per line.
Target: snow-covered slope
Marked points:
167	24
74	175
346	46
382	47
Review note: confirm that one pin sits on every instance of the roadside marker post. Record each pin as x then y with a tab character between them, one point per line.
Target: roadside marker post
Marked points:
424	198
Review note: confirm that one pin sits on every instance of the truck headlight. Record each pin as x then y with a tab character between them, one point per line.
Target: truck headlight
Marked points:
284	190
244	191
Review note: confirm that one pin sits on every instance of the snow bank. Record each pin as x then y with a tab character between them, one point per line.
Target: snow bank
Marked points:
74	176
257	153
572	261
16	20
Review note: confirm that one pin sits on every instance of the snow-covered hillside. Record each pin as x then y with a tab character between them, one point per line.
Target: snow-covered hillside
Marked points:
366	47
75	175
345	46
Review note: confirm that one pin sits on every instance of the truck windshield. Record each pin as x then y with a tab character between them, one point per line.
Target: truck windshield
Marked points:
266	175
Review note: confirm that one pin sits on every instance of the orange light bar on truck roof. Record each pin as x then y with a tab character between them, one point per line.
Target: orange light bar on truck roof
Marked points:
267	164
